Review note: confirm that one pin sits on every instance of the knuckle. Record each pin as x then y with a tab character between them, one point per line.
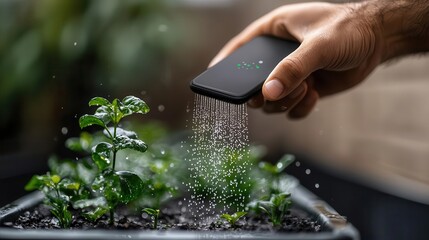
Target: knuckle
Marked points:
291	71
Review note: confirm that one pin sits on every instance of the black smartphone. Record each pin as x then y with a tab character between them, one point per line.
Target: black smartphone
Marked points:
241	75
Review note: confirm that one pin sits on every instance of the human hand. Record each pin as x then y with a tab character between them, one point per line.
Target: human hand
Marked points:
340	47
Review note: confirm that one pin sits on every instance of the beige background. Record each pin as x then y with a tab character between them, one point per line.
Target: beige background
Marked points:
377	132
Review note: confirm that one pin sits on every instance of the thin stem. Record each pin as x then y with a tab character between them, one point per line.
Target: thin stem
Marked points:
155	221
108	132
114	146
112	217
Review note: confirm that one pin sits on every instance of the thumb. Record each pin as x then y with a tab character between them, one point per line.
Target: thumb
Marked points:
292	71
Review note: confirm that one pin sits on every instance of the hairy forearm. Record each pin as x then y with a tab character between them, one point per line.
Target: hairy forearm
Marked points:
402	25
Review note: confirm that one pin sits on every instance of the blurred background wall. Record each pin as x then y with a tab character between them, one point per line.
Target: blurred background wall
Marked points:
56	55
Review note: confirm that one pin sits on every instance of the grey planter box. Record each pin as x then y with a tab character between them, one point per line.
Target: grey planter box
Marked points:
334	226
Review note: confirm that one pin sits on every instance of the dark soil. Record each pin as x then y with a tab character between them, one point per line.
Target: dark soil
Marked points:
170	219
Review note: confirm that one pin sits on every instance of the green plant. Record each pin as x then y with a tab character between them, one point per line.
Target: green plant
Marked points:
57	192
113	187
276	208
232	219
273	173
155	214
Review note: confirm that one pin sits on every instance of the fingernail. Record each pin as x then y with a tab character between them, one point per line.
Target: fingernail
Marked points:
295	93
274	88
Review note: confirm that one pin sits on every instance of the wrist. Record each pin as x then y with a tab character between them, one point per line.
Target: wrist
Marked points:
401	26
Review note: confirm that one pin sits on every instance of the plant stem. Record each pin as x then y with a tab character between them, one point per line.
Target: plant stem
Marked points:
112	217
114	146
155	221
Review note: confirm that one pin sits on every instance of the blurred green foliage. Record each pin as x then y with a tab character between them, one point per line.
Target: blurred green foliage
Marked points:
81	44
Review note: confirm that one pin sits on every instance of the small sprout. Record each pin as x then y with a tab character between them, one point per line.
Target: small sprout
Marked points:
55	189
276	207
276	169
155	214
273	172
232	219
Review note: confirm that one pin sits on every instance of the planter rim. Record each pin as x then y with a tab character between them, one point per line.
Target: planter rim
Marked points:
326	216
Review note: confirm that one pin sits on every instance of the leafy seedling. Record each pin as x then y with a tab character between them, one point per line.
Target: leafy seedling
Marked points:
276	208
277	169
273	172
57	195
232	219
154	213
117	187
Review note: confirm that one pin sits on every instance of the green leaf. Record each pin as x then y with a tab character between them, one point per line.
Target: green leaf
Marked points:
63	215
95	214
117	113
238	215
36	182
227	217
69	185
279	199
101	155
95	202
55	179
124	142
104	113
98	101
110	186
232	219
120	132
80	144
285	161
132	105
151	211
89	120
131	186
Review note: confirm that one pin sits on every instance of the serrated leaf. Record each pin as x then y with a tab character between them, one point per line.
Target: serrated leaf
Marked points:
89	120
98	101
101	155
132	105
131	186
124	142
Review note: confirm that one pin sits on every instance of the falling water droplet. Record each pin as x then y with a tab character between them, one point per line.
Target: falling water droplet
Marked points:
64	130
307	171
161	108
